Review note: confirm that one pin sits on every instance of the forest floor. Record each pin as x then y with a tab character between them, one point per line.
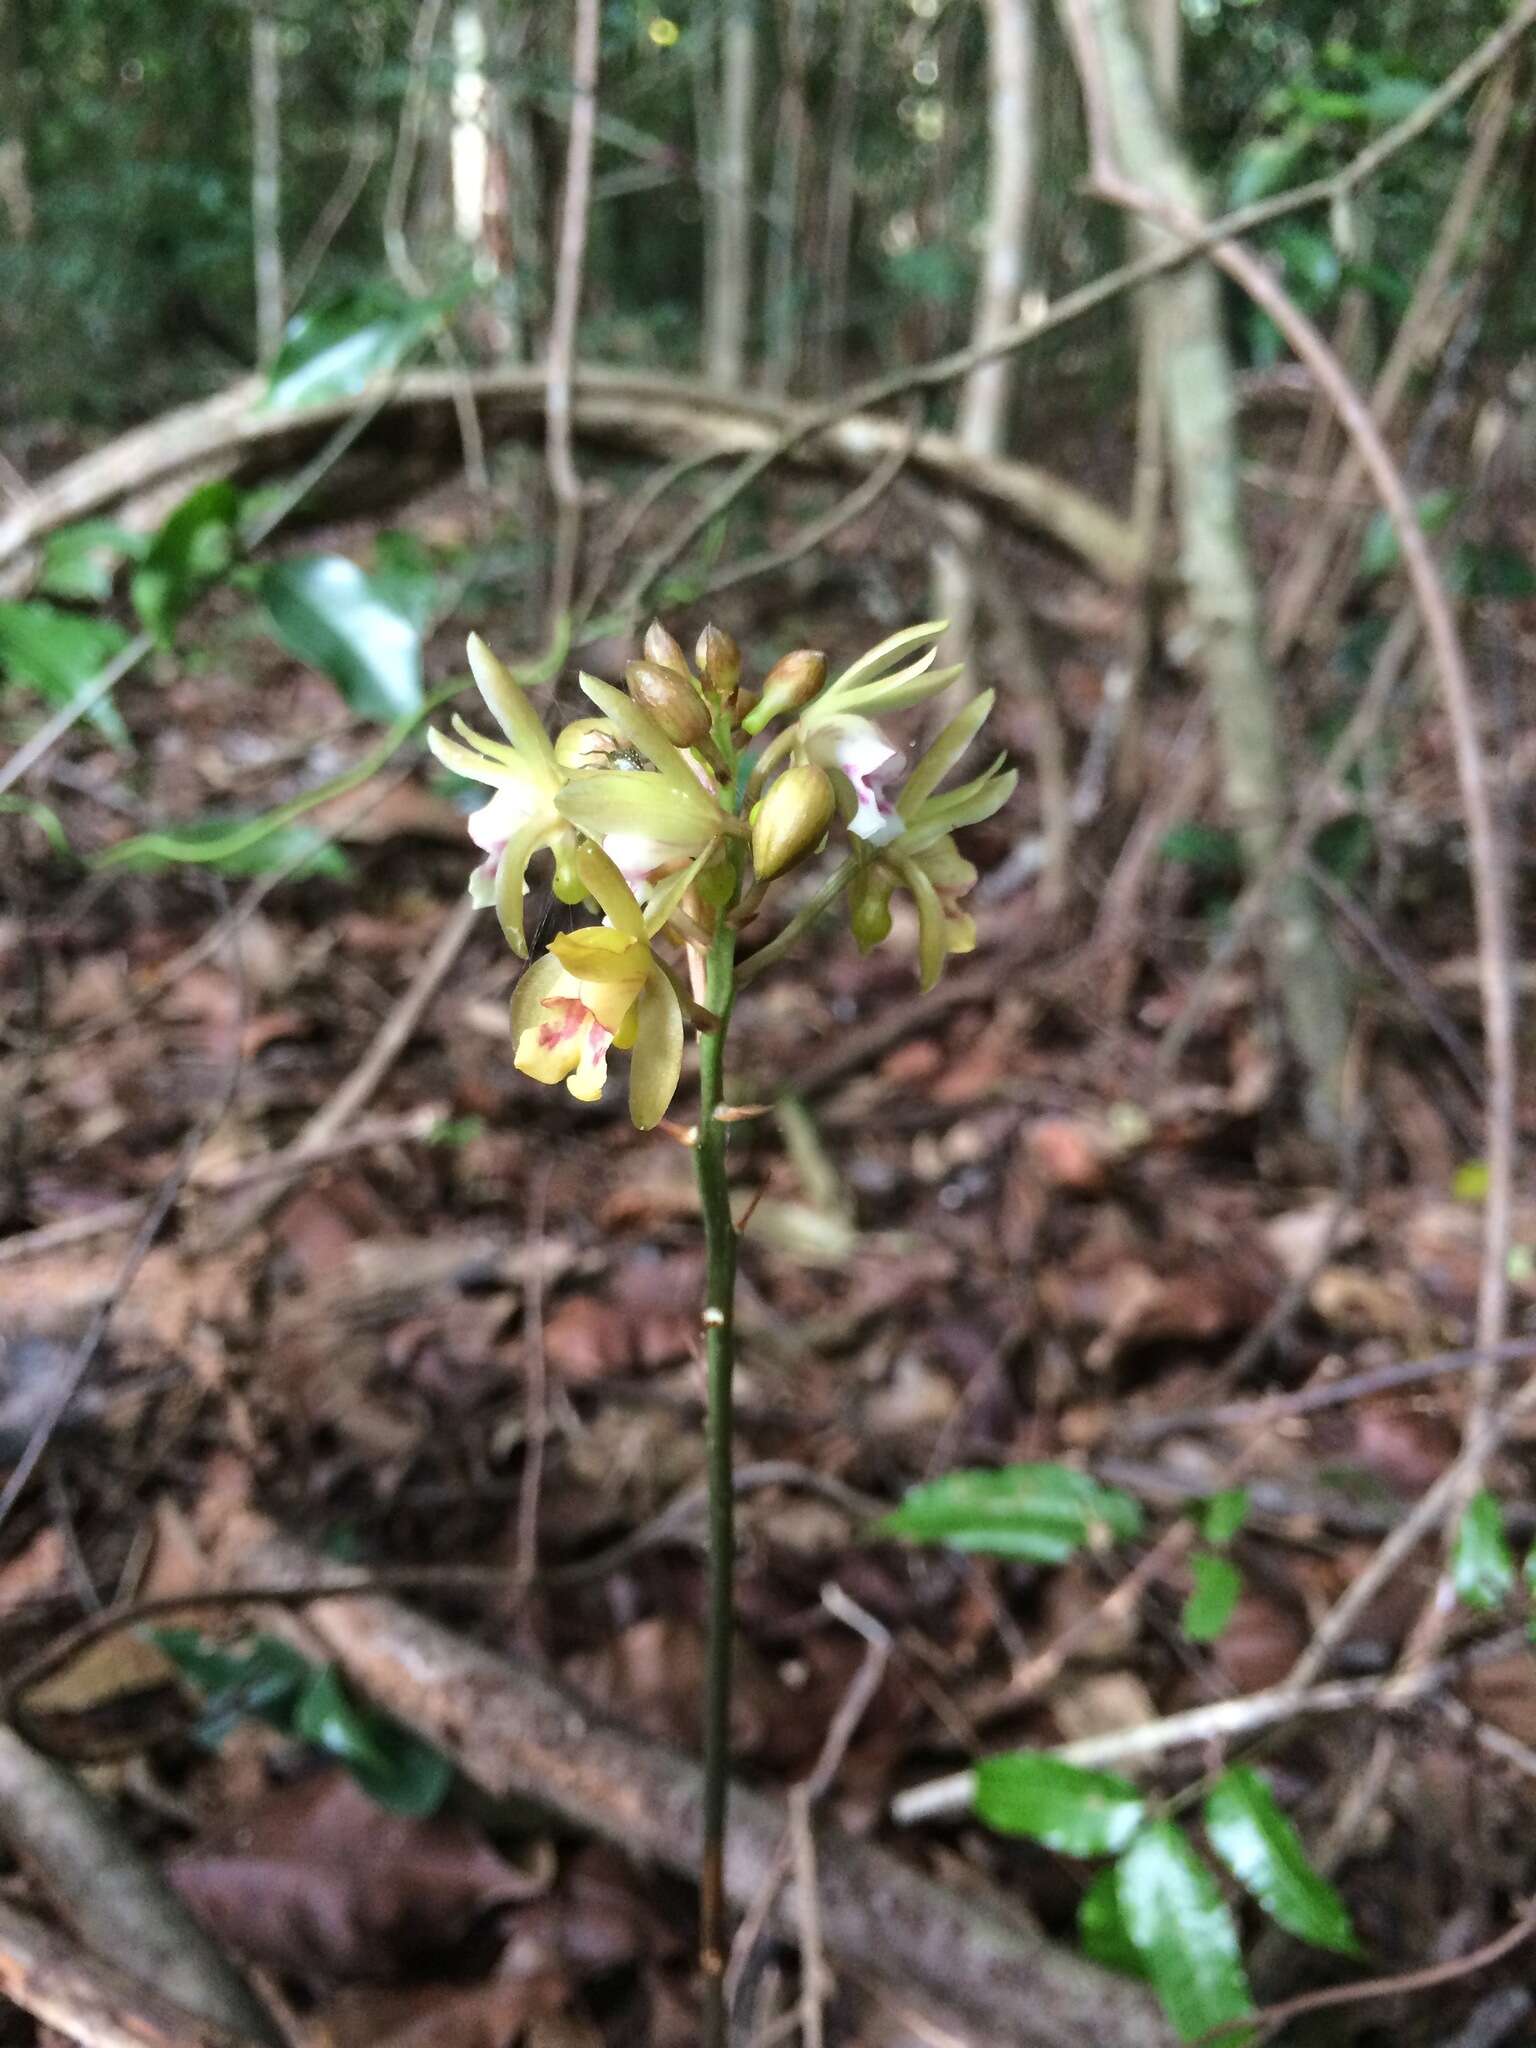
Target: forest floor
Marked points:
986	1227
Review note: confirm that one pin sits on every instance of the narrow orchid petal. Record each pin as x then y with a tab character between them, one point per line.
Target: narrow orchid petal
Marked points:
668	894
931	946
620	801
472	766
493	750
538	982
972	801
912	686
657	1060
879	660
943	754
514	714
607	886
519	850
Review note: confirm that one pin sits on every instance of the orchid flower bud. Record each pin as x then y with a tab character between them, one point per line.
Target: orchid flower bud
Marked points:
663	649
791	819
671	700
869	909
719	660
788	686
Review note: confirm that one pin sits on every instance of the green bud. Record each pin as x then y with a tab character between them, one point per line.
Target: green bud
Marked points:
719	660
661	648
788	686
671	700
789	822
869	909
587	743
569	886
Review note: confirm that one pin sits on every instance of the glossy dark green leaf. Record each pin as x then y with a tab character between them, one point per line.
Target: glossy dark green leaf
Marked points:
329	614
1044	1513
336	349
392	1765
80	561
1217	1588
192	550
58	653
1209	849
1225	1513
1265	1854
1172	1910
1493	571
261	1680
1102	1930
1078	1813
1482	1568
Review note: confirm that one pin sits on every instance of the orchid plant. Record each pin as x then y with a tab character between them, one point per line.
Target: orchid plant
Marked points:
670	818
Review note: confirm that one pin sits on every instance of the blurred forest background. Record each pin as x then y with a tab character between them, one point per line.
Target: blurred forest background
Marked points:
331	334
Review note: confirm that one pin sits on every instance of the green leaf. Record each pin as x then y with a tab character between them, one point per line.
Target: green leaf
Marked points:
1217	1589
1494	571
1265	1854
1225	1514
1381	550
1264	165
306	846
192	550
1179	1925
329	614
1469	1183
1482	1569
1210	849
59	653
1043	1513
260	1681
1078	1813
80	561
44	817
336	349
393	1766
1101	1928
1390	100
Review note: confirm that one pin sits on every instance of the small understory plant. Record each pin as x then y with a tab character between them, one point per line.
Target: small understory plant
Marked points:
673	814
1155	1908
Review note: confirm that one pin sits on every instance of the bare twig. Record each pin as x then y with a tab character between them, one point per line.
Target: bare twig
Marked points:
1401	1986
570	266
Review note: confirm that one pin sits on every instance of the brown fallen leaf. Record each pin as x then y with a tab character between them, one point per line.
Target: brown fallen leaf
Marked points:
495	2014
318	1881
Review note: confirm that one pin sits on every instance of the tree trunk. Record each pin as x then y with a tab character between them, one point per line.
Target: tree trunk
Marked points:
1128	132
728	247
266	182
981	420
570	271
842	189
781	349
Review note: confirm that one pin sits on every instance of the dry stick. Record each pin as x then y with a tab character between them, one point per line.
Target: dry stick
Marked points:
513	1731
91	2002
391	1039
1335	188
575	213
1295	604
1310	1400
113	1898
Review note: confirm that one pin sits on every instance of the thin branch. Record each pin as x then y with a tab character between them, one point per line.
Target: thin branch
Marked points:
575	211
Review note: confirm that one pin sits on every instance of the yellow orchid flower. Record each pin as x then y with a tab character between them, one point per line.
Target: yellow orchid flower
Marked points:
527	778
600	989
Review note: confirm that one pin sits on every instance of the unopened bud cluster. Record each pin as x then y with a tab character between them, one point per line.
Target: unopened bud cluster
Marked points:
675	808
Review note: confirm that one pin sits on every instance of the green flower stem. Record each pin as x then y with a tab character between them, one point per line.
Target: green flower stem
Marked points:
719	1346
803	918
